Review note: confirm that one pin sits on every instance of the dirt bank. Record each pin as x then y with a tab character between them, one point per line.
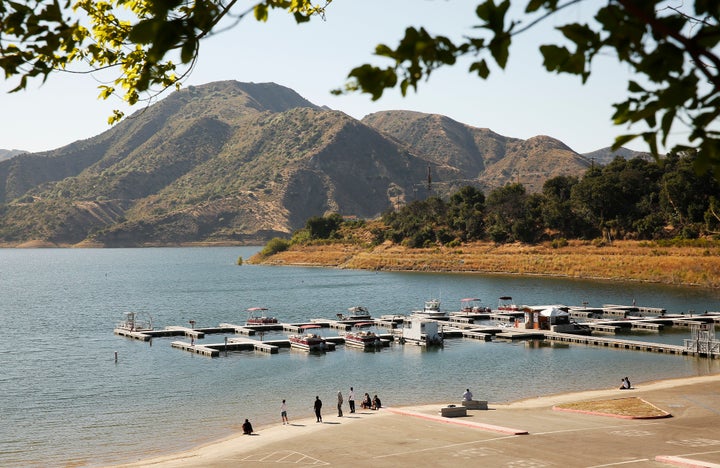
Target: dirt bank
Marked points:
621	261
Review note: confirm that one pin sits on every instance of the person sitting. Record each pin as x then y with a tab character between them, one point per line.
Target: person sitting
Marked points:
376	405
625	384
467	396
247	427
366	403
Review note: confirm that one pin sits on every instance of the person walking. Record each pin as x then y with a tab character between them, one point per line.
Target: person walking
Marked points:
283	413
351	400
340	402
318	407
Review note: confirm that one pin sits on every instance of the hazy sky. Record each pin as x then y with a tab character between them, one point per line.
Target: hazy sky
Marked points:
521	101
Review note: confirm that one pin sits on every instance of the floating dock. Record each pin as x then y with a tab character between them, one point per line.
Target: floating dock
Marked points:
456	325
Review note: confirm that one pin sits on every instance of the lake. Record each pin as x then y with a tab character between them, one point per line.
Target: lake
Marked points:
66	401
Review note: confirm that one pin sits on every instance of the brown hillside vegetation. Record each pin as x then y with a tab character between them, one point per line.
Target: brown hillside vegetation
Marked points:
621	261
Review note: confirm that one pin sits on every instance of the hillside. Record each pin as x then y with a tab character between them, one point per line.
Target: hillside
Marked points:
232	162
622	261
7	154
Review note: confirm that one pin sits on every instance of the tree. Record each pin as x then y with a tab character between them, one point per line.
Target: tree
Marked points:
466	210
671	48
323	227
38	37
557	208
512	214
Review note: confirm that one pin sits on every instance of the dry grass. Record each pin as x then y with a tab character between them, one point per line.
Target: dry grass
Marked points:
632	407
622	261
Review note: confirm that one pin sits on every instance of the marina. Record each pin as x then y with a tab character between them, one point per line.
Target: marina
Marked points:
60	306
527	324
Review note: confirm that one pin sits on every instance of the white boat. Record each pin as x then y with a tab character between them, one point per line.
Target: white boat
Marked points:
431	309
356	313
308	341
136	322
259	320
362	338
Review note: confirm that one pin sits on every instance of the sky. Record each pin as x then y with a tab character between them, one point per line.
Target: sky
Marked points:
521	101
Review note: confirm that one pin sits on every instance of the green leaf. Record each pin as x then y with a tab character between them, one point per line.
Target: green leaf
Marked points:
634	87
481	68
621	140
555	57
261	12
187	52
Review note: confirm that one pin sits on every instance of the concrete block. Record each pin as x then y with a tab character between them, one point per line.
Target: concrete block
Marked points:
453	411
475	404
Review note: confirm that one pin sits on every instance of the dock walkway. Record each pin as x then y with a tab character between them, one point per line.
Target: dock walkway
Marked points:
457	326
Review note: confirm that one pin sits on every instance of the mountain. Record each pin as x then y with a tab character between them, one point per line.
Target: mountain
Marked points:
468	155
7	154
242	162
605	155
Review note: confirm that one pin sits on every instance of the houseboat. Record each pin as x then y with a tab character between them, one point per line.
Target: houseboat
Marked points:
422	332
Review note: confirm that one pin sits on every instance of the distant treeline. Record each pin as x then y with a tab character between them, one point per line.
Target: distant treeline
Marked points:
627	199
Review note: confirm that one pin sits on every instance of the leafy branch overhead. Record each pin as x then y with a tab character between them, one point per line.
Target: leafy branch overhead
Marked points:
136	38
672	53
671	47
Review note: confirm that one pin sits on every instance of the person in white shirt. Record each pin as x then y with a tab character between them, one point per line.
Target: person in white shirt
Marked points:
283	412
467	396
351	400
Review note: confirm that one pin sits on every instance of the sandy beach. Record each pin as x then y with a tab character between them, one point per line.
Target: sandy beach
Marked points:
524	433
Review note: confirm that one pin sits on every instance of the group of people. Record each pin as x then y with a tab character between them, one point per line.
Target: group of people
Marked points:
373	404
625	384
367	403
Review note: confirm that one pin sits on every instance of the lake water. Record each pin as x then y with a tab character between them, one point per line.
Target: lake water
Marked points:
65	401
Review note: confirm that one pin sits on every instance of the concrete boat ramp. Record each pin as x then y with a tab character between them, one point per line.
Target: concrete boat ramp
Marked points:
456	325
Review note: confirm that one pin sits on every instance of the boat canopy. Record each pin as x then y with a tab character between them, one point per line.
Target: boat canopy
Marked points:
365	324
553	312
306	327
254	309
470	299
506	298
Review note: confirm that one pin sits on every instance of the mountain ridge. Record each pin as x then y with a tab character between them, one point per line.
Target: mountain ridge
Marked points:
242	162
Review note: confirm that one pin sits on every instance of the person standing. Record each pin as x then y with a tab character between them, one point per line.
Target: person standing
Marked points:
318	407
351	400
340	402
283	413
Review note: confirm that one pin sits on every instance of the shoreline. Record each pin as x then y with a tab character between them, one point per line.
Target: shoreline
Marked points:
696	266
277	437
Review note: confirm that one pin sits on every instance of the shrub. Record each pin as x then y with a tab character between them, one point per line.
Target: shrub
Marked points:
275	245
559	242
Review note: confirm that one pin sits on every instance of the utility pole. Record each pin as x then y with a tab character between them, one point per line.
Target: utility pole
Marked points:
429	181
